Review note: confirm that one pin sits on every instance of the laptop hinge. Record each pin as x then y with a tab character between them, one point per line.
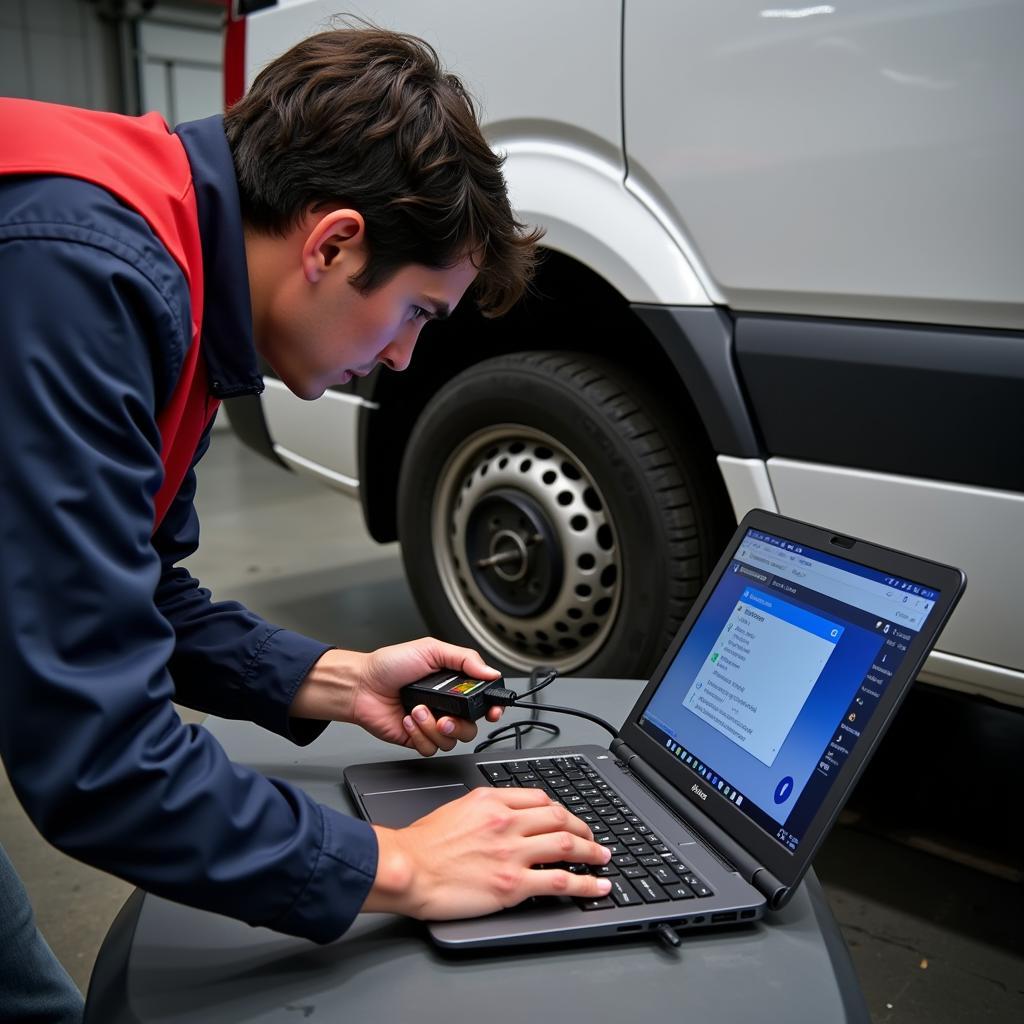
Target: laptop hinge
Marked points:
755	873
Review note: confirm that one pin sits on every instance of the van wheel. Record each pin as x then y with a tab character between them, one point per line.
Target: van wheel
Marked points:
547	517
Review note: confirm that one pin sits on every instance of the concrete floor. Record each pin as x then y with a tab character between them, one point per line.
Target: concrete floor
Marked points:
932	940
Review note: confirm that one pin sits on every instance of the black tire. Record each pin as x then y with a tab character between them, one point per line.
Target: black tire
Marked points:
557	473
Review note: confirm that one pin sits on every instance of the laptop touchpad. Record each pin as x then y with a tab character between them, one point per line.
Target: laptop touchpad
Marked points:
398	809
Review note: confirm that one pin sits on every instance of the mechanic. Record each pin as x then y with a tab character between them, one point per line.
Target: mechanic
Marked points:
348	199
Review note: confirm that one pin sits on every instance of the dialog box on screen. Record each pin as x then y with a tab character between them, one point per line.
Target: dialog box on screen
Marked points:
761	670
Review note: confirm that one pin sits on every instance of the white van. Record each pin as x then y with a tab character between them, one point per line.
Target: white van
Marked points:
785	269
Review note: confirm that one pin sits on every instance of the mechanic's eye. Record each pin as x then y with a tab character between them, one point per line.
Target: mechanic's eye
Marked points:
419	313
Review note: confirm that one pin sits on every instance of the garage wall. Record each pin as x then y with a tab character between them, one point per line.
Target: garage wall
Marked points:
114	55
60	51
180	61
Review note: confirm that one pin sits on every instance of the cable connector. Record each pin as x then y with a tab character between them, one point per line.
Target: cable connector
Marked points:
668	935
500	697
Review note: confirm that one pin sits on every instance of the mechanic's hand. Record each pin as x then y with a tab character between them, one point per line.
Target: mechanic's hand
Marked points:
377	708
475	856
345	686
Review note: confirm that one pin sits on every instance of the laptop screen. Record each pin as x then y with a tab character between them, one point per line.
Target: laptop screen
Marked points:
769	693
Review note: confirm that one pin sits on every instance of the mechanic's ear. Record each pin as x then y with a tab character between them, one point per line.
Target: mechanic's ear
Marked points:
330	241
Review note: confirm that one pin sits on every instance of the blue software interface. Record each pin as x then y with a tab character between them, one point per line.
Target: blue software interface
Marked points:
785	665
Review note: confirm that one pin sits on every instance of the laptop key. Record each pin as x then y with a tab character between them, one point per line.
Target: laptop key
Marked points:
494	772
601	903
598	829
623	860
505	784
698	887
678	891
664	875
650	890
643	850
606	871
650	860
623	893
632	840
634	872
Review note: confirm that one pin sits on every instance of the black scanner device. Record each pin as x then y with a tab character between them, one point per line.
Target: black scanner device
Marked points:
454	693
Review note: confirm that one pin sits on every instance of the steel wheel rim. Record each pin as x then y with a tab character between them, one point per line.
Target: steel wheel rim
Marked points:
576	614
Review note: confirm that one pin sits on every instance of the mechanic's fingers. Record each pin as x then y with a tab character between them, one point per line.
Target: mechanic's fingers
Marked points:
558	847
494	713
555	882
457	729
426	724
417	740
420	740
536	821
467	660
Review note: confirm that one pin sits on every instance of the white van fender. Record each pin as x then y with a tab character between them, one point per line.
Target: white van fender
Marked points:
588	213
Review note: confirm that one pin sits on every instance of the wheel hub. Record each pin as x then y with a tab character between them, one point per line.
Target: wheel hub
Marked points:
526	550
513	553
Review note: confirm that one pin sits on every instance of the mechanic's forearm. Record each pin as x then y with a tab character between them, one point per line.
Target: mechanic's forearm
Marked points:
328	692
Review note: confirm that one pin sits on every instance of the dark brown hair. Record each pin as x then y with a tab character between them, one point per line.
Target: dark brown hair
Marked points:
367	118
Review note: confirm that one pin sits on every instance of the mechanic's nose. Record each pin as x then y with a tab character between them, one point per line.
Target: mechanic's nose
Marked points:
398	353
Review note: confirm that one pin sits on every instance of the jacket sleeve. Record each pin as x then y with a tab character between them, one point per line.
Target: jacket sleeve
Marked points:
91	742
227	661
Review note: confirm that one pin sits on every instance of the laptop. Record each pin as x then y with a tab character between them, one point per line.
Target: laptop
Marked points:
738	756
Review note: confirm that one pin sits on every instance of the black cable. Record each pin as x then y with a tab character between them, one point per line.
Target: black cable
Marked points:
519	729
509	698
571	711
552	675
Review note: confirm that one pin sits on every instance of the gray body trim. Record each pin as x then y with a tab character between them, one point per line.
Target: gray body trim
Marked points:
700	344
247	419
895	398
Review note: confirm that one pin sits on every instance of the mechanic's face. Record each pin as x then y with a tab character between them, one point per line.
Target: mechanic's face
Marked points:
316	329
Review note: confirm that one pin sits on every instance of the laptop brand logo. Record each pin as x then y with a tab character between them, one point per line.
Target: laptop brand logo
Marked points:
700	792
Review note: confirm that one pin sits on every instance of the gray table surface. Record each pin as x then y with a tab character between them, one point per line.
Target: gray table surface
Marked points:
167	963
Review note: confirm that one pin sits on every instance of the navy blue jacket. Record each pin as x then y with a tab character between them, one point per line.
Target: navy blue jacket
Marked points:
100	626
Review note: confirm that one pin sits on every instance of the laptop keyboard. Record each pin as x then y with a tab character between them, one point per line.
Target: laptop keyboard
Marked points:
643	869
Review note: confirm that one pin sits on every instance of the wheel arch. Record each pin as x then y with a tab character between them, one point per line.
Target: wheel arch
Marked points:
661	356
